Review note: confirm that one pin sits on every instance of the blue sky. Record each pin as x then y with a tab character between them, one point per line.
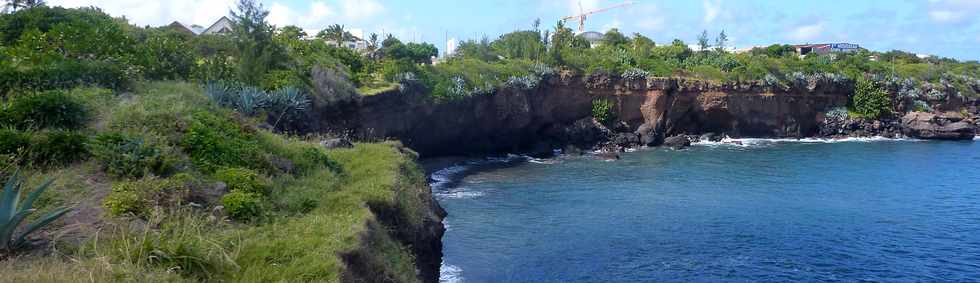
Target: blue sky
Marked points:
949	28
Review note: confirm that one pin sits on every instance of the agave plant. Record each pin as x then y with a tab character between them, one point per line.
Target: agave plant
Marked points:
251	100
288	102
13	212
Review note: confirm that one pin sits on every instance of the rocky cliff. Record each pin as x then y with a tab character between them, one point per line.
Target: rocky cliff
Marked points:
647	111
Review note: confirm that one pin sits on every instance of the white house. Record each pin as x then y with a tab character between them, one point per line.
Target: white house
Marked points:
223	26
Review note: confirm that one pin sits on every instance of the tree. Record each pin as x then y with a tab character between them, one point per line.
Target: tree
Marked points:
703	44
871	101
373	42
519	45
13	5
253	40
291	32
561	39
336	34
33	3
614	38
721	42
641	45
480	50
421	53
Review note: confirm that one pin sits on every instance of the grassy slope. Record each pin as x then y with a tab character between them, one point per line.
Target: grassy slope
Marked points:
291	243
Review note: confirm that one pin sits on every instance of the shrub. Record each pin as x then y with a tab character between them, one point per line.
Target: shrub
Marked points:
522	82
602	110
243	180
13	141
838	114
921	106
542	70
13	212
936	95
870	101
54	109
279	79
165	55
128	157
139	197
635	74
771	80
214	142
242	205
57	148
64	74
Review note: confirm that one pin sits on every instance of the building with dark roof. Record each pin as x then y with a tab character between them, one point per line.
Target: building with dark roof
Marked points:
826	48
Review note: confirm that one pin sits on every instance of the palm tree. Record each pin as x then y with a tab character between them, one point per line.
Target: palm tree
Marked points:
336	34
33	3
14	5
373	41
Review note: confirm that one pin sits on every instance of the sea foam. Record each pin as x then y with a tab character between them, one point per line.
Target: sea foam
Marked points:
450	273
445	182
762	142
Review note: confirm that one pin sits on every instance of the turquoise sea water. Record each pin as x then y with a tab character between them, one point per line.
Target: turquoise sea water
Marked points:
756	211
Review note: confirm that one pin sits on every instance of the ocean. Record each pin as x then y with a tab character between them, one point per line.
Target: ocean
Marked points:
745	210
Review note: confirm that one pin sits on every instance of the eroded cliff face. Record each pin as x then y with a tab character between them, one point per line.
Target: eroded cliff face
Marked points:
521	120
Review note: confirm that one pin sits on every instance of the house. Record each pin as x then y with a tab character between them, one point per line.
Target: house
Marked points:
594	38
826	48
223	26
185	28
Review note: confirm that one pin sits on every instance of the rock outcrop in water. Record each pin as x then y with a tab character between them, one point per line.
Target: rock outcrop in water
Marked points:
943	127
558	114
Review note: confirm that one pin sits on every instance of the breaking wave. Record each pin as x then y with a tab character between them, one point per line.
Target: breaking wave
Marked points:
450	273
762	142
445	182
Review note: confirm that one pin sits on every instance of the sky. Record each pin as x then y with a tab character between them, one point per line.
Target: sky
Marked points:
947	28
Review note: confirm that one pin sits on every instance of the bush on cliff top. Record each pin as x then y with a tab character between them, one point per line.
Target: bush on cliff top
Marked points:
871	101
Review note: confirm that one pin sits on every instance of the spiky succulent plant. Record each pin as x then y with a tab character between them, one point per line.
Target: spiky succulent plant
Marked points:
13	212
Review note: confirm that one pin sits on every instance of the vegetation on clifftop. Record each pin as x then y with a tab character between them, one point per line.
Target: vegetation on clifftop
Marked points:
289	212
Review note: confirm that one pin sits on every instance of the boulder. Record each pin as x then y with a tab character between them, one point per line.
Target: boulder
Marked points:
208	194
678	142
649	135
711	137
584	133
337	143
626	140
937	127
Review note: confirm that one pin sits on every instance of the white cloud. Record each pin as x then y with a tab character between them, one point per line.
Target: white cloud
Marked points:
614	24
712	9
320	14
587	5
651	23
157	13
360	9
953	11
807	32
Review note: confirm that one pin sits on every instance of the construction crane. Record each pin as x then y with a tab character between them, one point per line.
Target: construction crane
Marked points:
583	15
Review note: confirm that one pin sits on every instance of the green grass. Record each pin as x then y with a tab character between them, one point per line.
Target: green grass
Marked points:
376	87
306	248
317	209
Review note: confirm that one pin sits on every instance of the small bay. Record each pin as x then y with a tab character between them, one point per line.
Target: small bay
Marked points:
744	211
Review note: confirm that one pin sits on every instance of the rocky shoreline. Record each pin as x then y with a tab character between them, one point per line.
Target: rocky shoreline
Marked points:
644	112
653	112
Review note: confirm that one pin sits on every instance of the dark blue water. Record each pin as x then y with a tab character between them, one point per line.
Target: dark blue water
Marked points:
849	211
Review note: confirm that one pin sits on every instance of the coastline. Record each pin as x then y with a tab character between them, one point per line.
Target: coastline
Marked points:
447	173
